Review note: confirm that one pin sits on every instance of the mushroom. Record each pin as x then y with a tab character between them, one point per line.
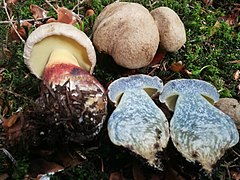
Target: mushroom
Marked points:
64	58
231	107
137	123
199	131
128	33
171	29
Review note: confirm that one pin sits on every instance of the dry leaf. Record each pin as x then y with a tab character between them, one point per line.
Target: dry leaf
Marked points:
39	167
230	19
13	127
89	12
4	176
10	3
66	16
21	30
208	2
235	175
160	54
116	176
7	53
236	75
9	122
179	67
38	12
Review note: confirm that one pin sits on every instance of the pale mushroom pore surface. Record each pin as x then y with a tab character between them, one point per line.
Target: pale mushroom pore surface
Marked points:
171	29
43	49
52	36
128	33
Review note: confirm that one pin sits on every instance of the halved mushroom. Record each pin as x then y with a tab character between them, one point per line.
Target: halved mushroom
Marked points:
137	123
64	57
199	131
171	29
128	33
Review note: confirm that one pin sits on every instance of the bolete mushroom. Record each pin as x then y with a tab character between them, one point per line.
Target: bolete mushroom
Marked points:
231	107
137	123
128	33
171	29
63	57
199	130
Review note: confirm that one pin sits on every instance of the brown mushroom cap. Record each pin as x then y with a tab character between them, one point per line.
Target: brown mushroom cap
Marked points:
231	107
171	29
128	33
48	37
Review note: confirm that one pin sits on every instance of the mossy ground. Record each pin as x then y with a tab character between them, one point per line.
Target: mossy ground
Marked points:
216	47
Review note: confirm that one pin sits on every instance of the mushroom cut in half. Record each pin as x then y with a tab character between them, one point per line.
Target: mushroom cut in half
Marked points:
64	58
137	123
199	130
128	33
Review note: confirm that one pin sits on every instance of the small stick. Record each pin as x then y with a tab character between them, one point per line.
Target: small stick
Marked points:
16	94
28	20
77	5
11	22
9	156
51	5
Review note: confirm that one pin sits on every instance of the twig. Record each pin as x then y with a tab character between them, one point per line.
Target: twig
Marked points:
11	22
16	94
9	156
77	5
28	20
51	5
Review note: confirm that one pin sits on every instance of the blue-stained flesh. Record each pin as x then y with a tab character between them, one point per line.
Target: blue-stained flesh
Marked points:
200	131
138	124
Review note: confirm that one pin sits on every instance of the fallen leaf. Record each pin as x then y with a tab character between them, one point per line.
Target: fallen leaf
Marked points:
10	3
7	53
9	122
160	54
38	167
230	19
65	16
235	175
89	12
236	75
68	160
22	29
208	2
38	12
4	176
179	67
116	176
13	127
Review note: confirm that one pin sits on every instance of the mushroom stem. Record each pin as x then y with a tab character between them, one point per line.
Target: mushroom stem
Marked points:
59	56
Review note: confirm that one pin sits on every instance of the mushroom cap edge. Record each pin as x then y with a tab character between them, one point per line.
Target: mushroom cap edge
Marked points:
138	81
57	28
174	88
